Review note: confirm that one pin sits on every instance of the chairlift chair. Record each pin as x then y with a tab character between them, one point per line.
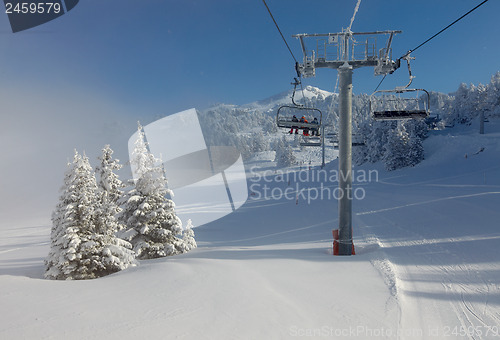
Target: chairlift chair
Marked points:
357	140
397	104
286	113
311	141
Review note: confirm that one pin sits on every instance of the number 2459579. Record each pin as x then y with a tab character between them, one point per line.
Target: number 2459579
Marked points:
33	8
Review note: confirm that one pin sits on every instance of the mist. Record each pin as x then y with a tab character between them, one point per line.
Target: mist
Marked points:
39	131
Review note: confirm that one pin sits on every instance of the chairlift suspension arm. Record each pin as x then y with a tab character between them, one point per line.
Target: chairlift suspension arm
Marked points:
408	58
295	84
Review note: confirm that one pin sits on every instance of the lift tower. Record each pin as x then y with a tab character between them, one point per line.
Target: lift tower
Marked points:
344	52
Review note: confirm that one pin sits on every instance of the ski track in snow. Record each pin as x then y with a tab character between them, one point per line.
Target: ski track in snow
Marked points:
454	277
427	202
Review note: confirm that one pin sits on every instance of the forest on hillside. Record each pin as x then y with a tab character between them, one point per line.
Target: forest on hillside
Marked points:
252	128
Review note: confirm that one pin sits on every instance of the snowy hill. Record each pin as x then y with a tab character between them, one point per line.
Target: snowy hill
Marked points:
427	264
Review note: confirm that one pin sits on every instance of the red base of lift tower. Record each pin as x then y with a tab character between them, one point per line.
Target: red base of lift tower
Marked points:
335	233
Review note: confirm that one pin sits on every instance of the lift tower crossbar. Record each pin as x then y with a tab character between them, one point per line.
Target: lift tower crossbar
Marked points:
344	52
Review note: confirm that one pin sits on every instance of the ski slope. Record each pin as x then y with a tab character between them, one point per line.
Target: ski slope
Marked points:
440	239
427	262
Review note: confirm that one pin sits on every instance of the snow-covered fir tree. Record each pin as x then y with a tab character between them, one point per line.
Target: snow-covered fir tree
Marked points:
153	227
376	140
142	160
284	154
83	245
108	181
259	142
110	186
493	96
417	132
188	237
110	190
462	107
398	149
469	101
269	126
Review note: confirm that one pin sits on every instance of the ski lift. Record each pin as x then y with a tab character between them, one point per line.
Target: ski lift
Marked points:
311	141
395	104
400	103
298	117
357	140
285	118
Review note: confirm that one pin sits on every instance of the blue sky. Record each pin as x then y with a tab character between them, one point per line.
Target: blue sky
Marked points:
162	56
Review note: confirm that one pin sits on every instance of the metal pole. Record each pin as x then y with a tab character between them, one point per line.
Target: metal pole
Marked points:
345	160
481	122
322	131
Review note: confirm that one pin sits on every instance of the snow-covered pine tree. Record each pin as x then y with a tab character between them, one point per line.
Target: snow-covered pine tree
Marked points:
188	237
397	148
108	181
478	100
259	143
284	154
376	140
269	125
417	132
142	160
109	184
81	244
118	252
461	107
115	254
153	227
493	95
360	152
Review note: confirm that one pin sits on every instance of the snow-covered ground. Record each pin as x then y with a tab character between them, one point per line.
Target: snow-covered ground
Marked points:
427	264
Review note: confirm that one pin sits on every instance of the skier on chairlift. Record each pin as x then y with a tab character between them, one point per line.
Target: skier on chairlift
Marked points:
305	130
294	119
315	130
